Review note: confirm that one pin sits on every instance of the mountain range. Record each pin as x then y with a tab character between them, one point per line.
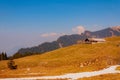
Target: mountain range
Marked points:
67	40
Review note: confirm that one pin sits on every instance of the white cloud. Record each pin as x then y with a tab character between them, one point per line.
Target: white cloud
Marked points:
49	34
78	29
52	34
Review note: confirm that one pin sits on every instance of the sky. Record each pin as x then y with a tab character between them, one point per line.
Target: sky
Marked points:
27	23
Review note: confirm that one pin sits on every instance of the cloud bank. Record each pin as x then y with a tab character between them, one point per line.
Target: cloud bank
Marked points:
49	34
78	29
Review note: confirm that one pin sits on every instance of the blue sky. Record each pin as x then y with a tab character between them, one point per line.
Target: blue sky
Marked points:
22	22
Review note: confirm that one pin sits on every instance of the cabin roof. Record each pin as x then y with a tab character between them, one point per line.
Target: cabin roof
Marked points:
96	39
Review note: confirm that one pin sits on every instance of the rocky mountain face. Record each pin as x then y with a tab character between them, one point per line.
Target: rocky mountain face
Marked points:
67	40
62	41
108	32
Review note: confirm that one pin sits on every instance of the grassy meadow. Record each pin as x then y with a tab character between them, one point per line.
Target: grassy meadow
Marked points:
67	60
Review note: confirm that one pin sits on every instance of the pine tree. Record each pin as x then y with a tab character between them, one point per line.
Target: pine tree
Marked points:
5	56
0	57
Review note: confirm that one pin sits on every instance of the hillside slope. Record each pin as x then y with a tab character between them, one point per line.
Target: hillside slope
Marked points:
67	40
76	58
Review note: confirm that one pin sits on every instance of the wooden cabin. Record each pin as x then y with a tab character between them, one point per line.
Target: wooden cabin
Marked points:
94	40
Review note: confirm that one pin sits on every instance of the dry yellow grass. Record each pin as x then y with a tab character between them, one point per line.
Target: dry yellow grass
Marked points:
118	68
66	60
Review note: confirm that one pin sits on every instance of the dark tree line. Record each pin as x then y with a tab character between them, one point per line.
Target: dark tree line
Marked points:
3	56
19	55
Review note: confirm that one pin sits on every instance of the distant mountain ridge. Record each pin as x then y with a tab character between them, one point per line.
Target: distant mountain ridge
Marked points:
108	32
67	40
